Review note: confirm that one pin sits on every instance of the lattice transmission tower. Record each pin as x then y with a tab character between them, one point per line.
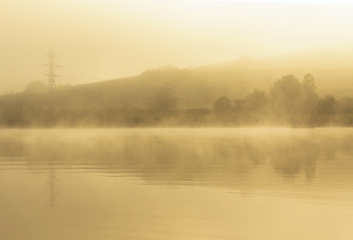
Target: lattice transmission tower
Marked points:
52	182
51	73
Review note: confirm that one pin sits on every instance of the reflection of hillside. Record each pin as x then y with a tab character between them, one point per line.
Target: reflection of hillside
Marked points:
234	160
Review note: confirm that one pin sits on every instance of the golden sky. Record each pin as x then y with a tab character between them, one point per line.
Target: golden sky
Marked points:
106	39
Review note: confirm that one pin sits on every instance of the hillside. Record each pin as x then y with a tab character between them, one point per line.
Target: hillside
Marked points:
200	87
205	97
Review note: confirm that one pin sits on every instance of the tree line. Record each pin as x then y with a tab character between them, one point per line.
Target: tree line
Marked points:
289	102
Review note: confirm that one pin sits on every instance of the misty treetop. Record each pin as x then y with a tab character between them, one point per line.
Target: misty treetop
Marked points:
289	102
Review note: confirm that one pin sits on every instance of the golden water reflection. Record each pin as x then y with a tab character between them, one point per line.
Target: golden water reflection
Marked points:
178	156
176	184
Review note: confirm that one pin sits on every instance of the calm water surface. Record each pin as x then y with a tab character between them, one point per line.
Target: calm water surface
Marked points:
176	184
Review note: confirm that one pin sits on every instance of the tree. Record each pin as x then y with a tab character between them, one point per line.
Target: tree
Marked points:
325	110
163	99
327	106
222	106
256	101
308	84
309	98
36	87
309	95
285	97
253	108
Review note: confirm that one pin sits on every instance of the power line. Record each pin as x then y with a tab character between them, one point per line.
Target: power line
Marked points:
36	51
132	60
100	70
83	78
80	47
89	69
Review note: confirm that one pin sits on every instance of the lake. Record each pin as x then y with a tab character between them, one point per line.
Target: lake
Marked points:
226	183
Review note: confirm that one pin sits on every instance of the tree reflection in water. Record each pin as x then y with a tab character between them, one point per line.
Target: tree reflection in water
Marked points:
234	158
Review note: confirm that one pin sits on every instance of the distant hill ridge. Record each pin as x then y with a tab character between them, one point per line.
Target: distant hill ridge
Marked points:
201	86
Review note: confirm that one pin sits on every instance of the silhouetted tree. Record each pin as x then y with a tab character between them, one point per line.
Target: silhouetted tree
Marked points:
346	105
256	101
222	106
285	97
308	84
163	99
309	99
325	110
36	87
253	108
327	105
223	111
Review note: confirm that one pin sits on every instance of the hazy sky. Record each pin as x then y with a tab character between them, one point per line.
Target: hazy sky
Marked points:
105	39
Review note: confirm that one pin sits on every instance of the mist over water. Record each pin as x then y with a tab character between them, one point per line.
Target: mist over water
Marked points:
176	183
178	120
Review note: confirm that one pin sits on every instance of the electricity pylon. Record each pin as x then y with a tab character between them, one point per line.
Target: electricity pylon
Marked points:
51	73
52	184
